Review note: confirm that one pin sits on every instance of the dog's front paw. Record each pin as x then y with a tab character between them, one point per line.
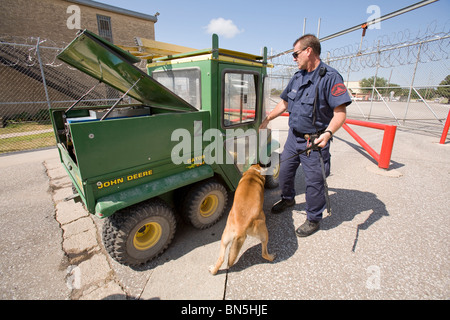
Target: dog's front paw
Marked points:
212	270
269	257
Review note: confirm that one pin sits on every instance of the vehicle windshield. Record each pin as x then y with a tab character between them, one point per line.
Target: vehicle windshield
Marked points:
183	82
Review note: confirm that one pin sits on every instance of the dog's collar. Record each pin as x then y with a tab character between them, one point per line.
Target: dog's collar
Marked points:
267	165
257	170
261	171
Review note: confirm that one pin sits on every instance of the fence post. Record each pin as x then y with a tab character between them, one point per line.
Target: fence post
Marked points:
327	61
375	78
348	71
387	146
38	53
445	131
412	82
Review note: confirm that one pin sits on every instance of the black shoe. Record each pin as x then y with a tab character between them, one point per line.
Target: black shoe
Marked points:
282	205
307	229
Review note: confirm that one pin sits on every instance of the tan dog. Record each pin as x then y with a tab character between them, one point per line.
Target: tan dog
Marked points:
246	217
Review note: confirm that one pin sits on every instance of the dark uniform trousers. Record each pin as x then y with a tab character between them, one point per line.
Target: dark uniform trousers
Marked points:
315	190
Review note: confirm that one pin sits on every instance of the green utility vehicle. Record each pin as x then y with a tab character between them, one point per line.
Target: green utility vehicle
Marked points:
175	151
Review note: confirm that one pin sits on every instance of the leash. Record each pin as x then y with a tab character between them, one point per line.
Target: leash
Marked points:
322	72
325	184
311	147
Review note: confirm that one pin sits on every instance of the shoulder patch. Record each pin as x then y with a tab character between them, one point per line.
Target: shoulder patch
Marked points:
338	89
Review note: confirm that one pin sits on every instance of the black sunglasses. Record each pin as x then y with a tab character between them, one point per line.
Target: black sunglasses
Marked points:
295	54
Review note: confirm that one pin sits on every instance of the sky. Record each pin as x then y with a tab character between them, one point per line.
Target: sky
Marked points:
248	26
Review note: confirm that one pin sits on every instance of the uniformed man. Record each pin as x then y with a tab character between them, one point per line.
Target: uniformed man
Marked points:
309	124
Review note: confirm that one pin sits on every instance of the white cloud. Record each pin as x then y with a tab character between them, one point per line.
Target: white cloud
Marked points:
223	27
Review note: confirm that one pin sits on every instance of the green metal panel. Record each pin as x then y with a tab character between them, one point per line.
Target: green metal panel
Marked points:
119	51
72	170
104	147
110	64
109	204
231	171
116	155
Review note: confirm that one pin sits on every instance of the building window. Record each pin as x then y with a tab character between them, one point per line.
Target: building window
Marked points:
104	27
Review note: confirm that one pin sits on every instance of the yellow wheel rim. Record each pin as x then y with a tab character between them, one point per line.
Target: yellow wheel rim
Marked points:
209	205
147	236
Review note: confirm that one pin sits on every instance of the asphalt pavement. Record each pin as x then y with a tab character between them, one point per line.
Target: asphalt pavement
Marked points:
387	236
32	262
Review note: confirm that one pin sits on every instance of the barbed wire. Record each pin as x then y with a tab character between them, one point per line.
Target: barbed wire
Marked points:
390	50
28	45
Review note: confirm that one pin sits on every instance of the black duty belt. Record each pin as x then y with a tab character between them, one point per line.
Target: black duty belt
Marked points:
307	136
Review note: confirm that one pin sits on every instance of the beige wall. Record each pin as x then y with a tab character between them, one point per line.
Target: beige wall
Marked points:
48	19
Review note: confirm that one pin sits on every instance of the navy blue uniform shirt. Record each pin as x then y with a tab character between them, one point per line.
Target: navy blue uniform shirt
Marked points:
300	94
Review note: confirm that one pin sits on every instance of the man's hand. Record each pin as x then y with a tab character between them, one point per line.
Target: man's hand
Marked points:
278	110
264	124
336	122
323	139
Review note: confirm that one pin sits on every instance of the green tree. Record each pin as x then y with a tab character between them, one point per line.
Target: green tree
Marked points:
275	92
368	82
444	91
428	93
380	82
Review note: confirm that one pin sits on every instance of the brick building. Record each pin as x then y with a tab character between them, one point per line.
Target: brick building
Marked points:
59	20
23	95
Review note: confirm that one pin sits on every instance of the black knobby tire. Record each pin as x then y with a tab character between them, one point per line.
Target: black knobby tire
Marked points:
139	233
205	203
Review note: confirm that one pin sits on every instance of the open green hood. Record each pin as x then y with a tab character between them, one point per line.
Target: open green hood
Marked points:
114	66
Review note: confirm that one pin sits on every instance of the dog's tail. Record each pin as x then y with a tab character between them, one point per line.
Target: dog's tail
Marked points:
235	247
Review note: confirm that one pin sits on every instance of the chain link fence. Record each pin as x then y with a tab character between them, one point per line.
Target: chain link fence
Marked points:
402	80
32	80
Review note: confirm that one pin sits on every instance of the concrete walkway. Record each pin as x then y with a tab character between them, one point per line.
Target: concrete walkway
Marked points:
26	133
